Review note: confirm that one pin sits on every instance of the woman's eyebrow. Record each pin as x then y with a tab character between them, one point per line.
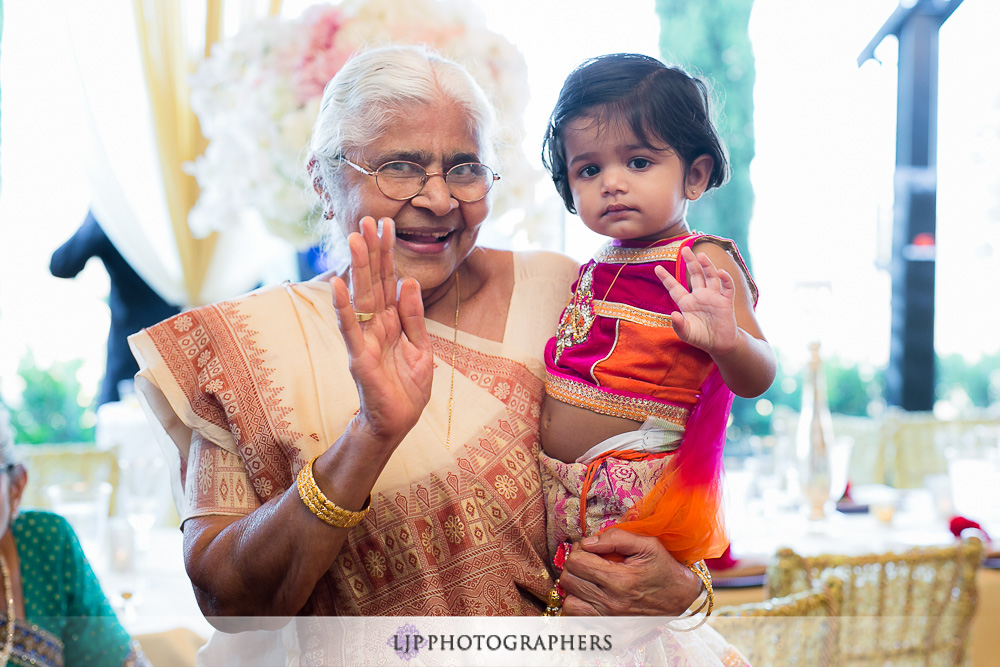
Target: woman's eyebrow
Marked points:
461	158
420	157
424	157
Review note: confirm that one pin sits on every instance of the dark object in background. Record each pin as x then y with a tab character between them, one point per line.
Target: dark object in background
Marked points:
133	303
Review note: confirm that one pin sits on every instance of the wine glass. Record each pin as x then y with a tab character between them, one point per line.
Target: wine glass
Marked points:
141	487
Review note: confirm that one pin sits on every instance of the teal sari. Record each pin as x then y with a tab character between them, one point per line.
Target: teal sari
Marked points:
69	619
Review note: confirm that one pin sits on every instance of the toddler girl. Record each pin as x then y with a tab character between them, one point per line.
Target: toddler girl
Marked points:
660	329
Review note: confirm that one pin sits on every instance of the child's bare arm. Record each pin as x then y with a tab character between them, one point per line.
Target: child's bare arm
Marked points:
717	316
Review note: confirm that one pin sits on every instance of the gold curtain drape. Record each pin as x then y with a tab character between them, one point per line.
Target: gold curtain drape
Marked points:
170	53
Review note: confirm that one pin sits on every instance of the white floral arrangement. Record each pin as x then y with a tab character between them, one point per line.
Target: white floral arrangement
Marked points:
257	95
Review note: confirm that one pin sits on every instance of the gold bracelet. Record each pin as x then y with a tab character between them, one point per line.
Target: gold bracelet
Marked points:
322	506
701	571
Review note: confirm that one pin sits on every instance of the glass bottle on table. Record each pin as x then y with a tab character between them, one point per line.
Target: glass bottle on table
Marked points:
815	437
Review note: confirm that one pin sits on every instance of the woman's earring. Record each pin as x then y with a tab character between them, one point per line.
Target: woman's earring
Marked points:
327	214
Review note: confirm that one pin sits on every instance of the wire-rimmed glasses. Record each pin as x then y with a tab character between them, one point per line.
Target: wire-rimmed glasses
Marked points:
401	180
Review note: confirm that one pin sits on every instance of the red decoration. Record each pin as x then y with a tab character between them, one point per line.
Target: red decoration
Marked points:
562	553
960	523
723	562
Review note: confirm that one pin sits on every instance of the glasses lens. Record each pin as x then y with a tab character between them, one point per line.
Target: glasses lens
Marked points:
469	182
400	180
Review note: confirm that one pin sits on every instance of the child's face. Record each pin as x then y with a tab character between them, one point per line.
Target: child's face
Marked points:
622	189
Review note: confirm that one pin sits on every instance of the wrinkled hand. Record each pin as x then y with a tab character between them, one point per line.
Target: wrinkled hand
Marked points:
390	354
643	580
707	317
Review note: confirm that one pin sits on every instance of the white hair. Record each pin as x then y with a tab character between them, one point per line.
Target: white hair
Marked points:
8	455
380	85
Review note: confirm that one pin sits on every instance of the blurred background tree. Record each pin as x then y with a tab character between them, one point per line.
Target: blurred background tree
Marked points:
712	39
51	410
979	380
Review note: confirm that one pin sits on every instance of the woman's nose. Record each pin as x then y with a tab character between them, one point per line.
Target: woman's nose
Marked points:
435	196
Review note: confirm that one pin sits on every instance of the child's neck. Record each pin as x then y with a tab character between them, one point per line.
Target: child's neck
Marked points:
665	236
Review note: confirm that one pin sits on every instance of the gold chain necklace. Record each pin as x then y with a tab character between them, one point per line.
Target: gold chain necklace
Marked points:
8	590
454	353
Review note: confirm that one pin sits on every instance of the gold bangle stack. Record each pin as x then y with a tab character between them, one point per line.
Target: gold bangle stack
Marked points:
702	572
322	506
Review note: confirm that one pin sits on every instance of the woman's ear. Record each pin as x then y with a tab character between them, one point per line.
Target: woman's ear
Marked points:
698	176
320	187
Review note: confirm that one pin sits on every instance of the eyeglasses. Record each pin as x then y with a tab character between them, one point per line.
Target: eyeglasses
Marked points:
402	180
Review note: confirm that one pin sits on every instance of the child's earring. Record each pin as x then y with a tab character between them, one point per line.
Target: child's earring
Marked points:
694	193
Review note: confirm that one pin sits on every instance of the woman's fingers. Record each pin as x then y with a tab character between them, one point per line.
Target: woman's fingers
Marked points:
387	251
373	246
348	323
411	314
362	297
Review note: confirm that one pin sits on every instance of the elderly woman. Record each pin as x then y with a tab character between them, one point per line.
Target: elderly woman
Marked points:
53	600
354	446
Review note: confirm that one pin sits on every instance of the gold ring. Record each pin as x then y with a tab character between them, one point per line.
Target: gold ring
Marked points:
363	317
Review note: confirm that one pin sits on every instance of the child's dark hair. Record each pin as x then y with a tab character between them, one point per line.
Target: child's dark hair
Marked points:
658	103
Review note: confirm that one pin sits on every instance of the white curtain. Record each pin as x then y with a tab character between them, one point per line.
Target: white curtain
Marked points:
125	172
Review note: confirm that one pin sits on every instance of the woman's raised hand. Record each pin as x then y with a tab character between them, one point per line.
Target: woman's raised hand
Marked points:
707	317
383	326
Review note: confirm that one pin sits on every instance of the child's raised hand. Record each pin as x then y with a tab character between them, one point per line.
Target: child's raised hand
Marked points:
707	317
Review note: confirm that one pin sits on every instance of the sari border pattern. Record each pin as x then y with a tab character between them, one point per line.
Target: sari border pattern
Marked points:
459	542
214	358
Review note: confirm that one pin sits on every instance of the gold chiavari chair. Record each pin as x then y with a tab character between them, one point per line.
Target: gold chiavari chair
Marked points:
910	608
801	629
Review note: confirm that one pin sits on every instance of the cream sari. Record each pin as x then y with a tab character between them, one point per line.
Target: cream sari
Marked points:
452	531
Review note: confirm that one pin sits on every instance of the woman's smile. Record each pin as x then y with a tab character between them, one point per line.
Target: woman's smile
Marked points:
424	241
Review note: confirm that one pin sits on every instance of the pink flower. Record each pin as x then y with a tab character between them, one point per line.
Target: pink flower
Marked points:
322	59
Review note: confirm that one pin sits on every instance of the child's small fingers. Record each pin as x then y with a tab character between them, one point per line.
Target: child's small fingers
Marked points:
674	288
696	272
727	285
678	324
711	273
664	276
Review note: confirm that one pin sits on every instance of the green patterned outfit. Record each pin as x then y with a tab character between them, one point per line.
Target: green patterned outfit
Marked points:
69	620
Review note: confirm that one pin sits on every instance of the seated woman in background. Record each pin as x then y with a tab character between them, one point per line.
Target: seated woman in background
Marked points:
52	597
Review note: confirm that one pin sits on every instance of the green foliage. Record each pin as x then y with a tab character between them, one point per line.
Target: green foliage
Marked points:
850	390
50	409
979	379
713	39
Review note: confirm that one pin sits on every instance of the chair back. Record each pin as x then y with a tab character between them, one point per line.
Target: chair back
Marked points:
914	607
797	629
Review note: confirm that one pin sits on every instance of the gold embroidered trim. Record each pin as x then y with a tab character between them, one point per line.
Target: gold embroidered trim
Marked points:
594	399
578	316
610	254
623	311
